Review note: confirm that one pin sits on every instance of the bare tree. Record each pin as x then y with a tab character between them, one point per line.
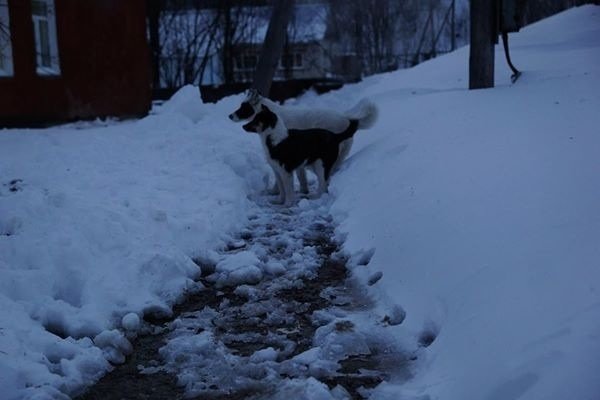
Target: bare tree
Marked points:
379	34
238	24
4	40
196	35
375	30
187	37
273	46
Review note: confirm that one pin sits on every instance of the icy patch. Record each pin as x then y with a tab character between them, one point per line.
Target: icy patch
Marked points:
114	345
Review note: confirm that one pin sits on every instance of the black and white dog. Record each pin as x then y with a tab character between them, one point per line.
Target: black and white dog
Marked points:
289	149
365	112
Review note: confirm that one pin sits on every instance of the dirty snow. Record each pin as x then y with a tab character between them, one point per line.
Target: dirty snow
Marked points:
309	332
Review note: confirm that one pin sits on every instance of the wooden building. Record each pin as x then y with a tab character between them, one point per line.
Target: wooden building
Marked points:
63	60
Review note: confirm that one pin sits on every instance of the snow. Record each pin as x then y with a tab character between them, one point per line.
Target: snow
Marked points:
101	220
470	216
482	208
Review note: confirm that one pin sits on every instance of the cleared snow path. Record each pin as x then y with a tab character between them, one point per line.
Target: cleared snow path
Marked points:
278	317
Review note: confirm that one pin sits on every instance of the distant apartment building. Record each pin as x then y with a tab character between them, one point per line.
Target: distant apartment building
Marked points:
193	53
308	54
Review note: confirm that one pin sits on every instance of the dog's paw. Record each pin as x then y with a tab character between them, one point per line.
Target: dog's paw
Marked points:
277	201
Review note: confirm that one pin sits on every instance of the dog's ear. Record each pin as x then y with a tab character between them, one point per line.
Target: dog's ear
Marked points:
253	96
270	117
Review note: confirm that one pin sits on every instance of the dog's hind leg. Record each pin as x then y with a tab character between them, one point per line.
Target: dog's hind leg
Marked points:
319	170
274	190
344	149
301	174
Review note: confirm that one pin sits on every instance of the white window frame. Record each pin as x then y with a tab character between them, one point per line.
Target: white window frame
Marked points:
297	59
6	60
242	61
46	41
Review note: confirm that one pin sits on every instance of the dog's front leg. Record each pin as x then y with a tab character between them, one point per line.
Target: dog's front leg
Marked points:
278	184
287	180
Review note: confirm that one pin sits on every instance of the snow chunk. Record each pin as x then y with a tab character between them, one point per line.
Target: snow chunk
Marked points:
268	354
239	268
131	322
114	345
275	268
303	389
339	339
238	261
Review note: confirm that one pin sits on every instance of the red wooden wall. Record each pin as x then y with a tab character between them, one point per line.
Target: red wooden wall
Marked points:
104	62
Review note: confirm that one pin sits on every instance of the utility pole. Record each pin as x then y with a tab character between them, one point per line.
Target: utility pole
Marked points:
272	46
431	20
484	32
453	26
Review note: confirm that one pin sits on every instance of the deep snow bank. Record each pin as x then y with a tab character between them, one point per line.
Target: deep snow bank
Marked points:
98	220
483	210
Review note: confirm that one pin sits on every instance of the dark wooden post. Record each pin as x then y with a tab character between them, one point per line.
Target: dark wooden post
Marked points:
153	9
484	32
272	46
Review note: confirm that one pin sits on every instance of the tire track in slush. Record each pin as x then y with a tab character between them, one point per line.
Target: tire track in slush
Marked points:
298	327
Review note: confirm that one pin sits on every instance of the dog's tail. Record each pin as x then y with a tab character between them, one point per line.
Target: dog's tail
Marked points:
349	132
365	112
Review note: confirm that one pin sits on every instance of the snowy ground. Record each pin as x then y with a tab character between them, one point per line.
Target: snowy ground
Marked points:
480	208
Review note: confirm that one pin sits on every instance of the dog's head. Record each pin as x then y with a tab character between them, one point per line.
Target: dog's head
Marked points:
263	120
249	107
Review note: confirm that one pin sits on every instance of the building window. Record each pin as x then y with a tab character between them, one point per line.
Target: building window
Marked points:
46	44
291	61
6	64
246	62
250	61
